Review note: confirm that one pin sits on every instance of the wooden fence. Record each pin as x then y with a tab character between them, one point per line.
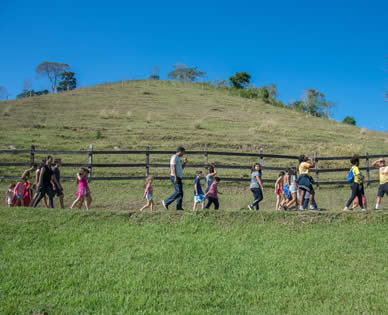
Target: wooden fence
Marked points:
147	165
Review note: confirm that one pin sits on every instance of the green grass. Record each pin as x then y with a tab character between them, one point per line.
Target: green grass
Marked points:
230	261
208	262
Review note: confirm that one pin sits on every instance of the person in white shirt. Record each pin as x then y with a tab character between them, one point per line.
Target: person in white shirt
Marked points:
176	172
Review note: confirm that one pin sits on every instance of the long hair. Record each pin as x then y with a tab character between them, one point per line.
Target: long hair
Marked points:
254	166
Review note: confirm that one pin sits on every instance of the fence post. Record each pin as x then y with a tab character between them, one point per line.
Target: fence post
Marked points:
147	162
90	162
32	155
261	162
316	169
206	156
367	168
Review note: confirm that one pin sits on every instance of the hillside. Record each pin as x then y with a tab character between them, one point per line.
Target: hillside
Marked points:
164	114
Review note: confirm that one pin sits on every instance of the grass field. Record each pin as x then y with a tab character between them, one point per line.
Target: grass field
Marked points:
114	259
208	262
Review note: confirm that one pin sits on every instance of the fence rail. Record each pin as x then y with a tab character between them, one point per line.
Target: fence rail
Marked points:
147	165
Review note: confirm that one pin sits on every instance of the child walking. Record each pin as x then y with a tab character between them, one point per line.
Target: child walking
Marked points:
293	190
212	194
148	194
198	193
18	192
83	192
355	183
9	195
211	173
280	198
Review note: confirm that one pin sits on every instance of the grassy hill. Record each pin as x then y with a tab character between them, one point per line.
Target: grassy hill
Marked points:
114	259
165	114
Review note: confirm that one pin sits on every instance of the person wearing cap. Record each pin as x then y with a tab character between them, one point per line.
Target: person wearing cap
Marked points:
176	172
383	187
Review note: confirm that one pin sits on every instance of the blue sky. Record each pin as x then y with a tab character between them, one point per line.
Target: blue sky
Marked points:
336	47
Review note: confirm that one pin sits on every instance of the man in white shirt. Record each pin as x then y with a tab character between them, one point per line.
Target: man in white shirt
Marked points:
176	171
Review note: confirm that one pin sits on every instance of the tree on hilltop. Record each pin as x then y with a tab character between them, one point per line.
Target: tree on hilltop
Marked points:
52	70
181	72
349	120
31	93
315	103
155	74
68	83
240	80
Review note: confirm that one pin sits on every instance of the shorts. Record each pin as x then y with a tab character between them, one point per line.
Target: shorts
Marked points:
293	189
19	197
286	191
199	198
305	182
149	197
383	189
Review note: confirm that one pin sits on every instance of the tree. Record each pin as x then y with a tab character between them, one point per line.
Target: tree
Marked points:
240	80
30	93
68	83
3	93
181	72
52	70
298	105
315	103
155	74
349	120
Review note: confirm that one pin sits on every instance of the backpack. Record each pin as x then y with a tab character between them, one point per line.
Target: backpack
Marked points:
350	178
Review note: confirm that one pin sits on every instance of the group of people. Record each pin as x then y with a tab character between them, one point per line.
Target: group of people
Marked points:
46	183
293	188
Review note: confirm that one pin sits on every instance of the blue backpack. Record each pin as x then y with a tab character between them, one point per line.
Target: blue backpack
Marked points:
350	178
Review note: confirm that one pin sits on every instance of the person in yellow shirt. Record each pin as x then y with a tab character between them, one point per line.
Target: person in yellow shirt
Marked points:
305	181
383	187
356	184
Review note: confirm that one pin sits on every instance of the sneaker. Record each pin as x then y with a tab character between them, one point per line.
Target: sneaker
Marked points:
363	209
164	205
301	208
314	209
250	207
346	209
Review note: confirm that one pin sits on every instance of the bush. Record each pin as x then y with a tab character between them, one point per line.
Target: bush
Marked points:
349	120
98	134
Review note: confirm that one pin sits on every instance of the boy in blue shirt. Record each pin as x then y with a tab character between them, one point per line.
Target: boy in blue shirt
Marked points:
198	193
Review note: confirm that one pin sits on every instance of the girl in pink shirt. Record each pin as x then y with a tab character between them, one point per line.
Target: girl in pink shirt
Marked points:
83	192
148	194
18	193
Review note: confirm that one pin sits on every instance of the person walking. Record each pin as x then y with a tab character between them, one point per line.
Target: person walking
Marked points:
256	186
383	187
356	180
45	185
176	172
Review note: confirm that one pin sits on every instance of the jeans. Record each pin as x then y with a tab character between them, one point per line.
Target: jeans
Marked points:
42	191
356	192
211	200
176	195
306	203
258	196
